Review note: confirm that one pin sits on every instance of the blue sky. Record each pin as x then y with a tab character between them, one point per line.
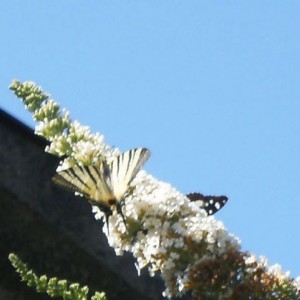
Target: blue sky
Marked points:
210	87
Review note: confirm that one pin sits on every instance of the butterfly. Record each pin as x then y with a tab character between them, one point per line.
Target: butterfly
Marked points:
211	204
105	185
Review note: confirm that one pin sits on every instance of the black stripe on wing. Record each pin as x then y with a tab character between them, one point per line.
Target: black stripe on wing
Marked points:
60	179
211	204
125	167
137	159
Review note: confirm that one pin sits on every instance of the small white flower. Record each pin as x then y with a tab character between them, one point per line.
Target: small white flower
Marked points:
297	283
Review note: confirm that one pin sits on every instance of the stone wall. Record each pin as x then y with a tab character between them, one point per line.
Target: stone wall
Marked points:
51	229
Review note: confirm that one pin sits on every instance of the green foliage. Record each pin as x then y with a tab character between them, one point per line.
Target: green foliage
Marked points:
52	286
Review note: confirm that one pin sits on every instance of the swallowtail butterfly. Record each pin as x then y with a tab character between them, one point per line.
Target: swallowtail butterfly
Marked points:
105	185
211	204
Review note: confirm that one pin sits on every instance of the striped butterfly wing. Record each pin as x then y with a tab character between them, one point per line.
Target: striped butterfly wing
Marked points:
124	168
211	204
93	182
101	183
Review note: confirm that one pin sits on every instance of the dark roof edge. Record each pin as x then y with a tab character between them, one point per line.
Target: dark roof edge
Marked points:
17	125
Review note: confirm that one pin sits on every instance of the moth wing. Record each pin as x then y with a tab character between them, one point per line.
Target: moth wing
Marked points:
211	204
124	168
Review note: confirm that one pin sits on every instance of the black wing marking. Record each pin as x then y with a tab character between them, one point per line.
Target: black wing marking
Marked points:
124	169
69	180
211	204
90	181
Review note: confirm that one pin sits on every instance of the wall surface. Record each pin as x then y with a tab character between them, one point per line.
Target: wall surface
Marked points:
51	229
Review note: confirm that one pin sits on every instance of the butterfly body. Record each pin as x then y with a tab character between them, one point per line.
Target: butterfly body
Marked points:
211	204
105	185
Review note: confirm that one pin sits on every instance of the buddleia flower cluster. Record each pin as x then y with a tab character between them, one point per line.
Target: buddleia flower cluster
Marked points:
66	138
165	231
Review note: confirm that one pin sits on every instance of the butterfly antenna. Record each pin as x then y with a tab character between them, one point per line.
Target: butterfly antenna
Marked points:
107	213
119	211
106	221
123	219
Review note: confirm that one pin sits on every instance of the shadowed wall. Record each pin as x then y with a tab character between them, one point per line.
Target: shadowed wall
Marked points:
52	230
